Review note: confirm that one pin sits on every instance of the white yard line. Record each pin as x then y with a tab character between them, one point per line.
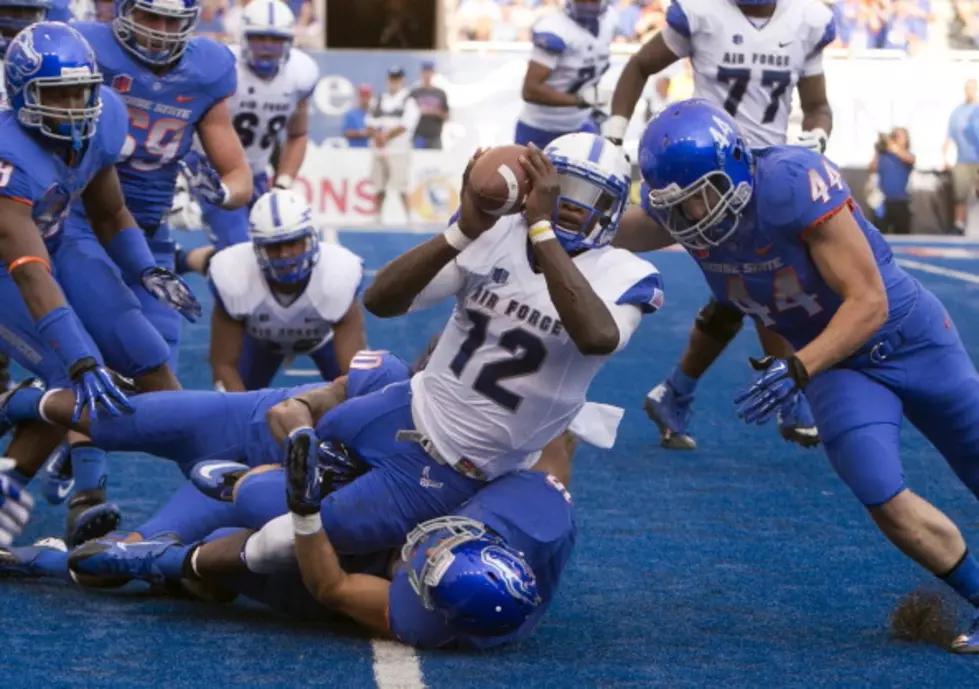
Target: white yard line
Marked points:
396	666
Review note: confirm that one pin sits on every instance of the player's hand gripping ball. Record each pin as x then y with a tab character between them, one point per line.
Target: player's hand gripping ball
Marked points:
498	181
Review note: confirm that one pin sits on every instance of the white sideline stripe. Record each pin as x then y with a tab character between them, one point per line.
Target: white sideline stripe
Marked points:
396	666
939	270
302	372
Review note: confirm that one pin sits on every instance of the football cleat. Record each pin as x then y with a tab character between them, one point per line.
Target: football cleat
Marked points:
216	478
968	641
90	517
55	476
108	560
670	411
46	558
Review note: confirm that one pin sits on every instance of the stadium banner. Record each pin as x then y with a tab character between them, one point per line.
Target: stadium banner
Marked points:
484	96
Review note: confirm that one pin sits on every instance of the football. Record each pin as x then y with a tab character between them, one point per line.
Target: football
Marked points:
499	181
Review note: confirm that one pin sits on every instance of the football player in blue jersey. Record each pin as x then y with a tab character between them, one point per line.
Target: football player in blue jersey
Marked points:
778	235
174	85
59	142
479	578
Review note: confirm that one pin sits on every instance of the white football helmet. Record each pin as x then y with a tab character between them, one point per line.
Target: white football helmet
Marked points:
595	178
278	222
268	28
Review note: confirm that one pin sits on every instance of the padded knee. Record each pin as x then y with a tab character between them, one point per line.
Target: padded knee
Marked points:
719	321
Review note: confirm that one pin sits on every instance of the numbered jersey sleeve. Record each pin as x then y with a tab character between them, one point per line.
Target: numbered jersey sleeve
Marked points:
336	281
233	275
797	189
372	370
214	67
549	41
16	183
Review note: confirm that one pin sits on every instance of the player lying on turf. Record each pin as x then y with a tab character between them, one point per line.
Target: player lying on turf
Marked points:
777	234
480	578
282	294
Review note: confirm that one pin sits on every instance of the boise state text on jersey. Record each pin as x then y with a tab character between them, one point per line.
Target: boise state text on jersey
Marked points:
163	111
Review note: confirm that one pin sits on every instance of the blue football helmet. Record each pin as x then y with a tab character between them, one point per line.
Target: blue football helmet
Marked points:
19	14
268	30
45	60
155	31
595	177
587	13
469	576
283	217
699	171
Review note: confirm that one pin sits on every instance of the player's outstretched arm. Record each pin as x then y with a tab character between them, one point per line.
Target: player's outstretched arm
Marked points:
294	149
653	57
846	262
126	244
305	409
638	232
583	313
349	336
399	283
227	341
224	151
361	597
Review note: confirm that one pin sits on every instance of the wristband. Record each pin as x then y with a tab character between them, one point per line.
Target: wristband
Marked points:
129	250
284	182
615	127
455	237
59	330
541	231
306	524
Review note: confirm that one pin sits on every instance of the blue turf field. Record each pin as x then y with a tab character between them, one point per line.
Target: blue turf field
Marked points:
744	564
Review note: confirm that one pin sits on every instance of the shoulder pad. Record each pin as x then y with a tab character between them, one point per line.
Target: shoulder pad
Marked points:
113	125
232	270
677	19
304	72
821	27
339	274
484	252
547	40
797	189
215	66
373	370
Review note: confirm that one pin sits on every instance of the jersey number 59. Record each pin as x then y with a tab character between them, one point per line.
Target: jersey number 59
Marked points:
529	354
161	143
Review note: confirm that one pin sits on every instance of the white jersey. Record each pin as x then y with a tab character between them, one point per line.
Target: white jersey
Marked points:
260	108
751	66
296	327
577	58
505	379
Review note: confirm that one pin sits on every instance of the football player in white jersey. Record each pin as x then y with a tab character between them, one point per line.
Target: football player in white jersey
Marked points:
570	55
747	55
282	294
542	301
275	84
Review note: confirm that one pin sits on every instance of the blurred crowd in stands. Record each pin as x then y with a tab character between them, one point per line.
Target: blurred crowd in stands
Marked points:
909	25
221	19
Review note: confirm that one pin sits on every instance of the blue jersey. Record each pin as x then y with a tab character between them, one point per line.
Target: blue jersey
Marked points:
369	371
60	12
765	269
532	512
163	113
34	172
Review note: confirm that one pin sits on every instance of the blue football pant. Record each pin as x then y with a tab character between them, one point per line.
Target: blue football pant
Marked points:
180	426
188	515
259	363
928	378
20	340
107	307
525	134
166	320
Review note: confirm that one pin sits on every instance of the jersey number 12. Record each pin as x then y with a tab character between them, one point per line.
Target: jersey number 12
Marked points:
529	354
